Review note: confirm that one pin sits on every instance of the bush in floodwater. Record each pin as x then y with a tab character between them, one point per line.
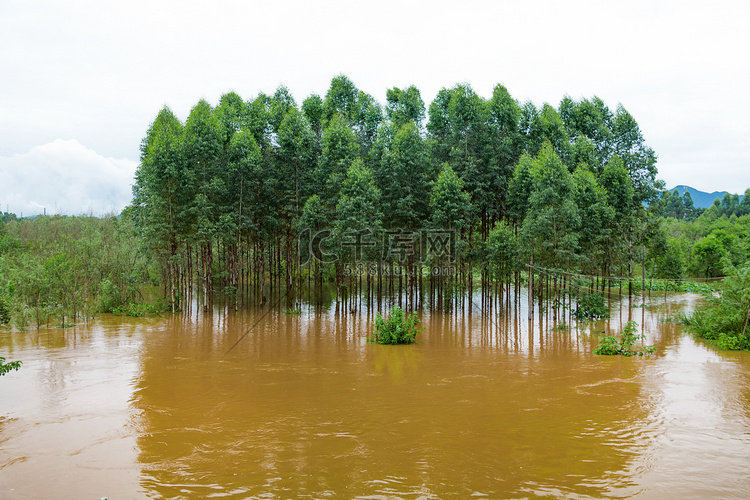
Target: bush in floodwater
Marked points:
591	306
10	365
398	328
623	344
724	319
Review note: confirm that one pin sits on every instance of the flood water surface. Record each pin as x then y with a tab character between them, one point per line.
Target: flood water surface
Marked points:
261	404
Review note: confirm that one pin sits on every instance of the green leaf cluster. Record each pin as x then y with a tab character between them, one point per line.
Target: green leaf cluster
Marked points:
398	328
623	344
590	306
10	365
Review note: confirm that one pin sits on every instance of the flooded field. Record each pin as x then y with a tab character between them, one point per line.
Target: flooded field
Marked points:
262	404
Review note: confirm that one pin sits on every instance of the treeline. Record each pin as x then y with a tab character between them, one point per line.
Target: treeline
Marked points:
709	246
221	198
57	270
671	204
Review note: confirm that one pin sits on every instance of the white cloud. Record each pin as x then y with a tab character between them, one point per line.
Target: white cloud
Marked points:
65	177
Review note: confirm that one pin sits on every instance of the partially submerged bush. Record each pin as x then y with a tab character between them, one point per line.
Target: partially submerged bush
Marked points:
623	344
724	319
396	329
591	306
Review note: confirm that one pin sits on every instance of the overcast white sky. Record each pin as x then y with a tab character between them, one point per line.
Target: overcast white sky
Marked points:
80	81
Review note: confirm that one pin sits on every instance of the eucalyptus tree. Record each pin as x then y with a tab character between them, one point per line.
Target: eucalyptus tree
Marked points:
450	206
550	228
592	120
162	194
358	220
461	134
583	153
339	150
502	251
367	121
405	105
621	196
313	228
637	157
296	162
520	188
341	99
360	110
257	122
553	130
314	110
247	199
278	106
505	146
203	149
450	203
404	179
597	217
233	113
530	129
544	124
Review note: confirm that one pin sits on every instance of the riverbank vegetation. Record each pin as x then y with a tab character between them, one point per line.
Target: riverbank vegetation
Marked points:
724	319
58	270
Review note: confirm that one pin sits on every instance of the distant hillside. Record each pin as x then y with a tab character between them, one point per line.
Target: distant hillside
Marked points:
701	199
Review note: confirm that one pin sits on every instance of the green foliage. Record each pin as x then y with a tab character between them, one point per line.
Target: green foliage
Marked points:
109	296
449	202
55	272
670	264
225	192
405	106
502	251
398	328
675	286
10	365
724	318
707	256
590	306
357	208
5	305
403	178
550	229
623	343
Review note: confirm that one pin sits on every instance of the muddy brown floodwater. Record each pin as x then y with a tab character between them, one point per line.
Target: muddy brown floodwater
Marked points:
488	405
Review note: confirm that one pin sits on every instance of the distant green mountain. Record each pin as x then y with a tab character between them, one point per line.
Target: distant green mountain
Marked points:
701	199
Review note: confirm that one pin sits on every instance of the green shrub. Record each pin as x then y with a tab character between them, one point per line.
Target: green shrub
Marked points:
623	344
396	329
591	306
723	320
109	296
4	310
